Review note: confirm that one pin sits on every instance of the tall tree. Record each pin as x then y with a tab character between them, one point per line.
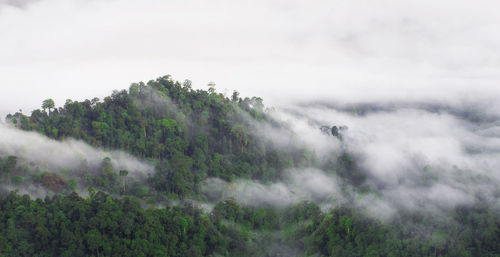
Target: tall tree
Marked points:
123	175
48	104
10	165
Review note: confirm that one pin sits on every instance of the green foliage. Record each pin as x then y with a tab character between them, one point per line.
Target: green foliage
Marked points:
48	104
17	180
99	225
190	134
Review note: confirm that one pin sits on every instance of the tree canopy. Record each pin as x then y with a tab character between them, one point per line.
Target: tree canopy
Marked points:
190	135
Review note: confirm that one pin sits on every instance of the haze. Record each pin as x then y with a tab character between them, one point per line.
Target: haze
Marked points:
283	51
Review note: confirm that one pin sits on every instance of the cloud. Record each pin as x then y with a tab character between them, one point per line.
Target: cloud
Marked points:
298	185
68	154
159	103
17	3
344	50
416	157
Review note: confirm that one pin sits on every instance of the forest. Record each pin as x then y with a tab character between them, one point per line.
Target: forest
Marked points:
164	174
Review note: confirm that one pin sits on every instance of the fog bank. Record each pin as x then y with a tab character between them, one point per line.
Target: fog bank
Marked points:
68	154
414	156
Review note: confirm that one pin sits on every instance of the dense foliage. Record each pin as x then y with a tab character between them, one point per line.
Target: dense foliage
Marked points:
102	226
191	135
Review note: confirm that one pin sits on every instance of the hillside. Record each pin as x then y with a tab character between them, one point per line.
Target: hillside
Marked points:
166	170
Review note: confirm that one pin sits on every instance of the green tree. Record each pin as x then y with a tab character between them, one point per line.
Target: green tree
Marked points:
108	175
94	240
48	104
9	166
240	133
123	175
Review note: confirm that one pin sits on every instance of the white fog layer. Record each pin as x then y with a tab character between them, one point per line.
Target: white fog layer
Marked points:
68	154
414	157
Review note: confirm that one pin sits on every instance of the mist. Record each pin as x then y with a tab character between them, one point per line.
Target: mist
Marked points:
350	51
66	154
415	156
414	84
297	186
64	158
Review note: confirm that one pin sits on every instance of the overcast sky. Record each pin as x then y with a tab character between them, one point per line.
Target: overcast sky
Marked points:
347	50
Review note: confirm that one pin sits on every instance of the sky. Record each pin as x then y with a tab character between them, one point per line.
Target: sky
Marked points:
283	51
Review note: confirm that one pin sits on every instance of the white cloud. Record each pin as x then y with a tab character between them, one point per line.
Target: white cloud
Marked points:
281	50
298	185
68	154
416	156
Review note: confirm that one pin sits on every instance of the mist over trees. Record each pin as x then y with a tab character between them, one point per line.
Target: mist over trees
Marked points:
162	169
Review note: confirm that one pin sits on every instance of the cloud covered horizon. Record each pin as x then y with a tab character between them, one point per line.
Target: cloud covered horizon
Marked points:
283	51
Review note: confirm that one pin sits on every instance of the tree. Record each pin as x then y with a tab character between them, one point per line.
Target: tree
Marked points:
48	104
240	133
53	182
101	131
211	87
93	239
236	96
17	180
72	184
10	165
107	172
188	84
133	90
335	131
123	175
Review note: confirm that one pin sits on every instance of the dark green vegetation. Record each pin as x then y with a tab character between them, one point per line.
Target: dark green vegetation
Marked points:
190	135
102	226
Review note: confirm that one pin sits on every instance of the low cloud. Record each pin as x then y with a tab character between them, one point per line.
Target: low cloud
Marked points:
416	157
67	154
421	156
298	185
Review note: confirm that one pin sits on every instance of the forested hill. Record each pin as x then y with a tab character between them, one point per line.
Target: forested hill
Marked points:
189	134
127	175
